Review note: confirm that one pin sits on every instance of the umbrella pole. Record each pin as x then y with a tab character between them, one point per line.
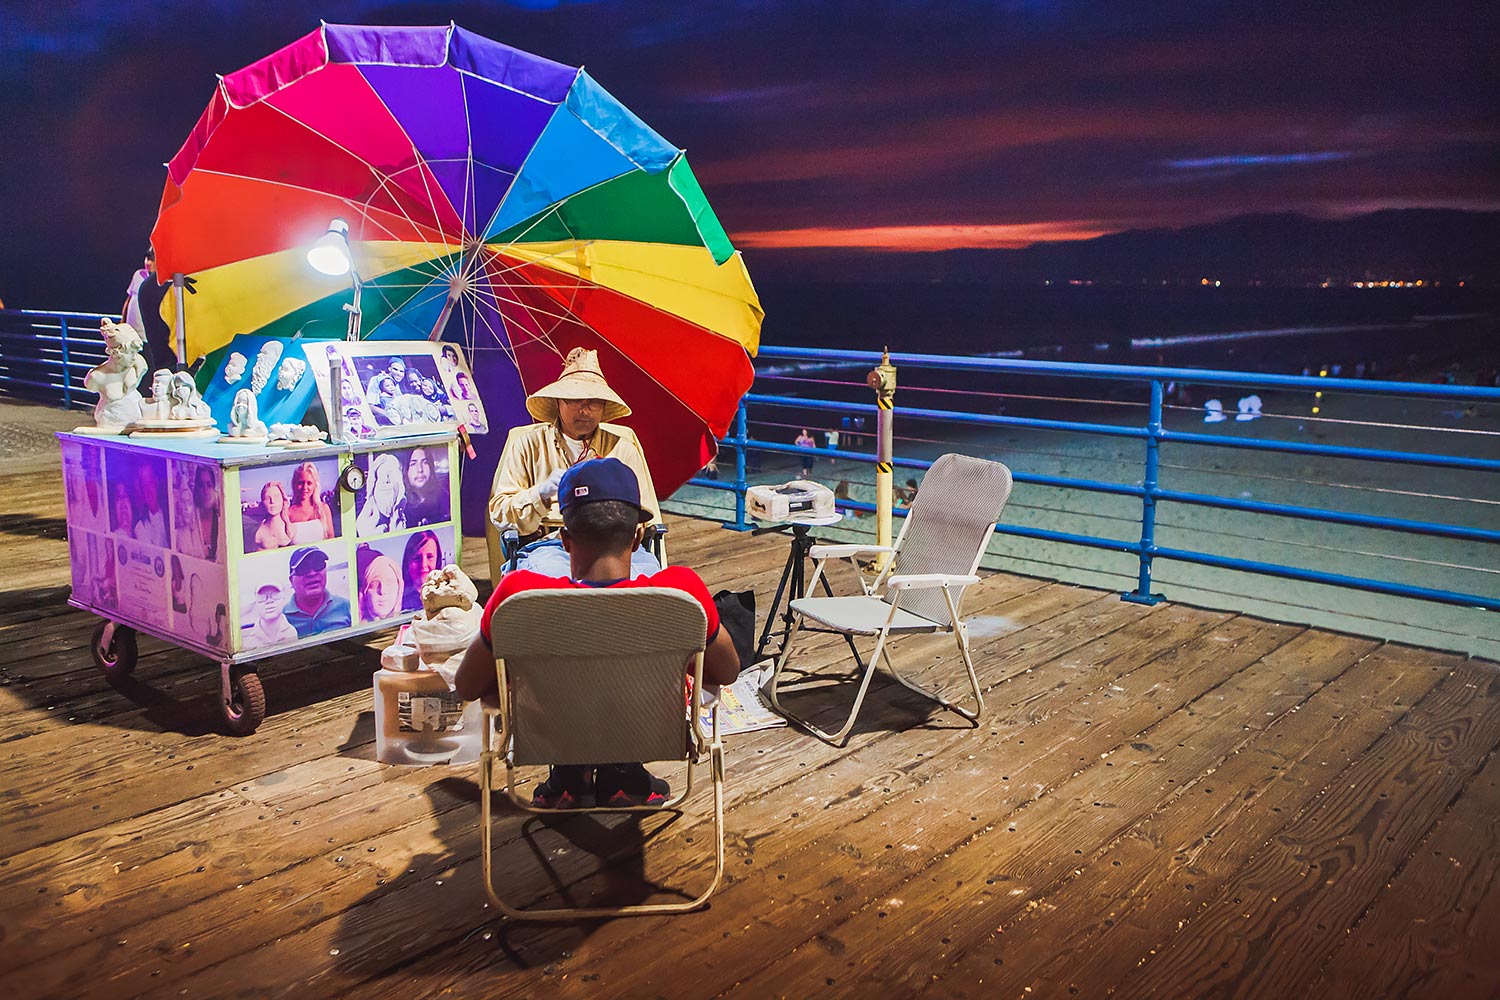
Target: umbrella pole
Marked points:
179	319
883	381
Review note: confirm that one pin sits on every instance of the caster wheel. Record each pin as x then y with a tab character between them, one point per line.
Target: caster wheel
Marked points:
246	707
114	649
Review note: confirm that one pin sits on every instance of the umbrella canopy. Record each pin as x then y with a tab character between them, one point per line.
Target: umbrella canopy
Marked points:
504	198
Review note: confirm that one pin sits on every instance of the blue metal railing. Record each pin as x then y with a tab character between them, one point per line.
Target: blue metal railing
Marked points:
44	355
1154	434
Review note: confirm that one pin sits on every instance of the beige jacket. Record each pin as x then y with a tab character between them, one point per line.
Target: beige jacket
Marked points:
535	451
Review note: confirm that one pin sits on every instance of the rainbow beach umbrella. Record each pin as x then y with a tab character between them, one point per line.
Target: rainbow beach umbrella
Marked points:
495	199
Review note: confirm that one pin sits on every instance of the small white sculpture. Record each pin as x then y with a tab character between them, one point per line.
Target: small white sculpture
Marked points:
265	362
116	379
245	424
289	373
234	370
1213	411
1249	408
160	403
297	435
449	587
187	403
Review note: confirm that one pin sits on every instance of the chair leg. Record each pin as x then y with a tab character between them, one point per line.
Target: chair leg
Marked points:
963	648
716	763
840	737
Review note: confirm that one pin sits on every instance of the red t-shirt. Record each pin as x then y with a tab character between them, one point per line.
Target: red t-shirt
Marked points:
677	577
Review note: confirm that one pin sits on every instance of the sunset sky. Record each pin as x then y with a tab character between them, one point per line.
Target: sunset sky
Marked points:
855	125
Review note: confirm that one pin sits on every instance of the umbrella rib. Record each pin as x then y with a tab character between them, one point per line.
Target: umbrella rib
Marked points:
496	302
382	178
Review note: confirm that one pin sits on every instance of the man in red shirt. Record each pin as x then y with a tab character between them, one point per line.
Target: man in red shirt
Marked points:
603	522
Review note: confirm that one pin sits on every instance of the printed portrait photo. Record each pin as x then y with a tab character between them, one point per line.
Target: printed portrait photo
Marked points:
284	505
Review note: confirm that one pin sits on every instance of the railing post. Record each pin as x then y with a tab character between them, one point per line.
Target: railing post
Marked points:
883	381
1142	593
741	423
67	378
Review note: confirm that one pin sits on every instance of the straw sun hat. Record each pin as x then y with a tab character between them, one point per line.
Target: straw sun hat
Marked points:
581	379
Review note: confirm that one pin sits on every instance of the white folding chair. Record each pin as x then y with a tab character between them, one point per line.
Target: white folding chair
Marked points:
596	676
934	560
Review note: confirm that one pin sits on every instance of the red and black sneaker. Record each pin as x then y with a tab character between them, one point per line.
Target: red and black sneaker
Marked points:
568	786
629	785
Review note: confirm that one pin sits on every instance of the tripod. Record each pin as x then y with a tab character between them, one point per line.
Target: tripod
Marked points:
793	584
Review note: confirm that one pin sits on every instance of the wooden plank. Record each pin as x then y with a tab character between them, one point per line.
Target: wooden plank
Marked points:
1051	807
1328	863
1151	880
363	935
1434	931
845	814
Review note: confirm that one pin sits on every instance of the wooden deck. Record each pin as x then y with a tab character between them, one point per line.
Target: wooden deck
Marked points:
1163	802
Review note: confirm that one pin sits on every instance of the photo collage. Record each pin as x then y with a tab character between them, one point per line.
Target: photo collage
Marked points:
146	536
394	388
296	579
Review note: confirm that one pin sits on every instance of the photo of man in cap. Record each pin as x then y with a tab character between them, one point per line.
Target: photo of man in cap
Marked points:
312	609
271	626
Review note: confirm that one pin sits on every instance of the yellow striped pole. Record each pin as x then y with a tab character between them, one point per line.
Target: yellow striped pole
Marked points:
883	380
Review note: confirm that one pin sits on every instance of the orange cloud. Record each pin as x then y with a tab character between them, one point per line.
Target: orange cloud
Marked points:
924	238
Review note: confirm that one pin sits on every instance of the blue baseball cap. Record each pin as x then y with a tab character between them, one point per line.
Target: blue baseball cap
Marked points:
303	560
601	479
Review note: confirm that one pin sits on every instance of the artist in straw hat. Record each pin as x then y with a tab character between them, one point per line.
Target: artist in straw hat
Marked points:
575	418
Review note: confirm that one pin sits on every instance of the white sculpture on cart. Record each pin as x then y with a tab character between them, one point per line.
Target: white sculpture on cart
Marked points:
174	409
245	425
265	363
116	379
235	369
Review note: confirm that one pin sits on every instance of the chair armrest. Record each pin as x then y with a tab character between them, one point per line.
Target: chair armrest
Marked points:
917	581
844	551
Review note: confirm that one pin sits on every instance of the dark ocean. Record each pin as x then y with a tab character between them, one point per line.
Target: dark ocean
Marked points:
1403	332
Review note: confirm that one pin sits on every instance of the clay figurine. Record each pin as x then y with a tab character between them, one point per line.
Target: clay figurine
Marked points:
265	362
296	435
186	403
116	379
160	403
449	587
234	370
245	425
290	371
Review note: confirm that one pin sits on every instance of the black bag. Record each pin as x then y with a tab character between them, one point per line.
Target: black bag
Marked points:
737	617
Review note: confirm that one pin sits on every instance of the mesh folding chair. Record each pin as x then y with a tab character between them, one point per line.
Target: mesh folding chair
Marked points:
933	561
595	676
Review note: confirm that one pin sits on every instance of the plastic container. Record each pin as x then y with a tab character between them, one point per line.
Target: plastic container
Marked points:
418	720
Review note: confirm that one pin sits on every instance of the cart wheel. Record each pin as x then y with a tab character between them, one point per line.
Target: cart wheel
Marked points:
246	707
114	649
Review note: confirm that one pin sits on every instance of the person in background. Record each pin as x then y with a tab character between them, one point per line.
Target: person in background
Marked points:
309	515
603	522
424	553
142	310
805	440
312	609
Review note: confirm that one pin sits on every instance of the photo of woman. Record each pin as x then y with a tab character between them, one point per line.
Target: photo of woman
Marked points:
287	505
310	517
427	498
219	637
198	520
379	585
424	553
384	506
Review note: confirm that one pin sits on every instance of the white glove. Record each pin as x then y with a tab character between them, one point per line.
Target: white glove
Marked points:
547	491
